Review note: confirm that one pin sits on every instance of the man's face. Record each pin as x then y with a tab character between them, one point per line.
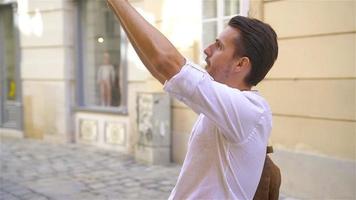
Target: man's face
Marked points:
220	55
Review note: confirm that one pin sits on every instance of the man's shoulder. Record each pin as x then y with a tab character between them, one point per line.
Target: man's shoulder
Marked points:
256	99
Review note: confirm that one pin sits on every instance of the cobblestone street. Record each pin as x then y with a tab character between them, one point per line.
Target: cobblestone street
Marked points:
36	170
39	170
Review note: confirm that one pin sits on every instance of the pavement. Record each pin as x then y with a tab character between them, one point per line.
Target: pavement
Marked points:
40	170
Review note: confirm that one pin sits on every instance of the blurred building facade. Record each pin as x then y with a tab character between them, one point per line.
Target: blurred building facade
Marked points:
68	74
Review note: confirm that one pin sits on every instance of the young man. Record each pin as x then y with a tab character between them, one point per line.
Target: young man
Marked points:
227	146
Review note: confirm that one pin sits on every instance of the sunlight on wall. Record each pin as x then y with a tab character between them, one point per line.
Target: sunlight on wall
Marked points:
29	24
180	22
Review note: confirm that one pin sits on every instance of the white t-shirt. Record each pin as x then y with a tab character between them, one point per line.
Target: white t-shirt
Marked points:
227	145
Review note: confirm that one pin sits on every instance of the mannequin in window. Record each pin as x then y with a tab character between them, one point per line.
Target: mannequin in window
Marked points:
105	79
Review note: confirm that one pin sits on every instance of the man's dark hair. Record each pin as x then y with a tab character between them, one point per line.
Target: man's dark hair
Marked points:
258	42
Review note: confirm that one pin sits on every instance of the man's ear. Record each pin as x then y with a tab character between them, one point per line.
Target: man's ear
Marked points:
242	64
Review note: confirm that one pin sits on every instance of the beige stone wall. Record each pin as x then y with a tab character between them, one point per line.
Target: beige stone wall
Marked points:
312	92
314	77
47	70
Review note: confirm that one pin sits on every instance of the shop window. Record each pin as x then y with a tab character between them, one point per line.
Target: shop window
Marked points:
101	58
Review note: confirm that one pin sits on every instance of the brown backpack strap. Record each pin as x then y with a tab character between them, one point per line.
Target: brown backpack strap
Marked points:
269	149
270	181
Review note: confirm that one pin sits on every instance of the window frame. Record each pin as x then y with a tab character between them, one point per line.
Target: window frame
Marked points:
122	109
16	103
220	18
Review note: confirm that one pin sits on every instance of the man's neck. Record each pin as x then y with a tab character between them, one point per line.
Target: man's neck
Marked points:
238	83
243	87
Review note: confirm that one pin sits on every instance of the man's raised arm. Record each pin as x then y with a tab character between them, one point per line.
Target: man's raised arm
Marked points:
156	52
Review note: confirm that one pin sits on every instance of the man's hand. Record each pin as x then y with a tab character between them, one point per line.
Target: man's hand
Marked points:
156	52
